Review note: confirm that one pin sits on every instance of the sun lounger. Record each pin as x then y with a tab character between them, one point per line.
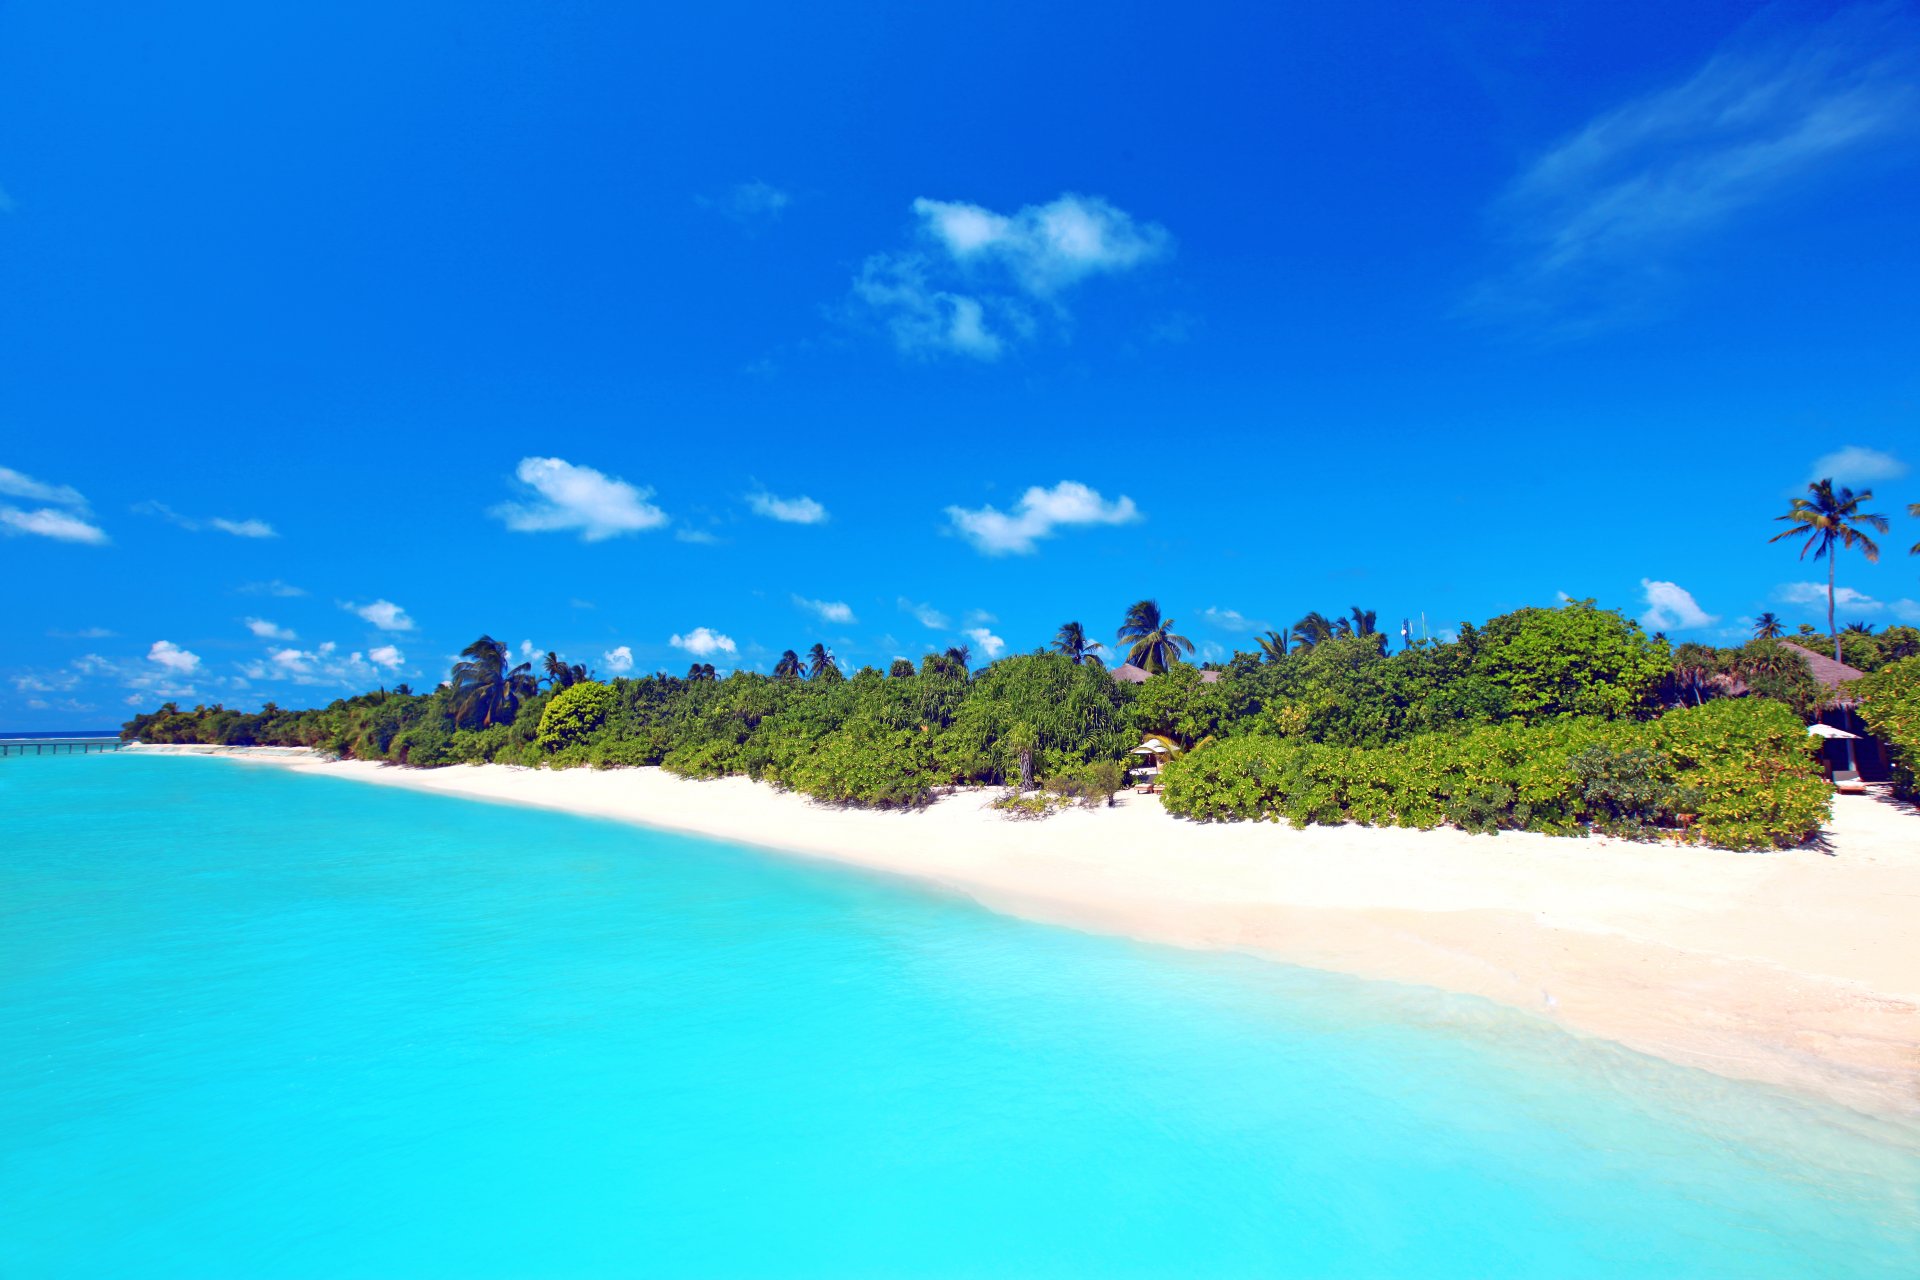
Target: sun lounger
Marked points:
1848	782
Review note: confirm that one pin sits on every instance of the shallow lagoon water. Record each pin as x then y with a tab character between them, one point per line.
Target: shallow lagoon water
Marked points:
263	1024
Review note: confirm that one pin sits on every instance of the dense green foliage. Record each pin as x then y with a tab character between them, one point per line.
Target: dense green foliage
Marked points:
1744	771
1890	704
1544	719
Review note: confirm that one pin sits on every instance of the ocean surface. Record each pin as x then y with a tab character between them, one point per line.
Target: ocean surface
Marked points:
260	1024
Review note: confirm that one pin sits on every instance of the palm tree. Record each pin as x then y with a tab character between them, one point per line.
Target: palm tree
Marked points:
559	674
1151	642
1913	509
1072	641
485	688
701	671
1273	646
819	660
962	655
1767	627
901	669
1830	520
1311	630
789	667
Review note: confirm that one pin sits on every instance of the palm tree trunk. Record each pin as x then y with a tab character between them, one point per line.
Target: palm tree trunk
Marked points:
1832	554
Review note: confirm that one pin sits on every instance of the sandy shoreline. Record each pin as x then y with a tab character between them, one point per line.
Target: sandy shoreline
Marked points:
1799	969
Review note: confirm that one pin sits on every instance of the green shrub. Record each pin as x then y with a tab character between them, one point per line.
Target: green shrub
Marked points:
1890	704
622	753
1623	791
1743	767
1752	772
575	714
1093	784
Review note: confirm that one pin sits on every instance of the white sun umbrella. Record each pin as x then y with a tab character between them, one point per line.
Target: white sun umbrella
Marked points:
1828	731
1152	747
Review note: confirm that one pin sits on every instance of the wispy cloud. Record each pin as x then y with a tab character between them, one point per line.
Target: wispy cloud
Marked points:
750	205
384	614
977	281
277	588
238	528
64	519
1039	512
266	630
1816	593
828	610
561	496
1671	607
1856	464
926	615
1231	620
1590	225
800	510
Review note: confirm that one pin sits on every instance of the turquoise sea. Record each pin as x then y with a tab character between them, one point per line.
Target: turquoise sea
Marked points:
258	1024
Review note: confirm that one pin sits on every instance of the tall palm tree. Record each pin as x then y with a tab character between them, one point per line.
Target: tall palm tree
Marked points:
1858	629
1152	644
818	660
701	671
1311	630
485	688
1829	520
1913	509
789	667
1273	646
1767	626
1363	621
1072	641
961	654
559	674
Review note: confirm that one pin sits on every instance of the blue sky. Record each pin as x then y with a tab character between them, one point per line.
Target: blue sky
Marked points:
333	336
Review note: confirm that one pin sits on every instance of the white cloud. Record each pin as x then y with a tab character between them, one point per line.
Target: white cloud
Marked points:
238	528
386	655
801	510
1590	220
269	631
1045	247
829	610
966	290
751	204
384	614
699	537
923	318
565	496
989	643
527	650
46	522
274	588
1671	607
85	633
244	528
173	657
927	616
1231	620
15	484
70	525
1816	593
1036	516
1855	465
618	660
701	641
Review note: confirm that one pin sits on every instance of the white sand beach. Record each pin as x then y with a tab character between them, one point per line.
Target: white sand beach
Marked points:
1799	968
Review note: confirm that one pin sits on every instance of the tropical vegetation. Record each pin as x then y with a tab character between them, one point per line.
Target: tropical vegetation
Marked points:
1561	720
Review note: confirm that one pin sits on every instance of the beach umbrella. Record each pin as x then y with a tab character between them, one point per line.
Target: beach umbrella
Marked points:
1828	731
1151	747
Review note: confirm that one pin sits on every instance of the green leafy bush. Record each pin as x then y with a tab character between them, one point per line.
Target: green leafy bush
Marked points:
1752	772
575	714
1890	704
1743	766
